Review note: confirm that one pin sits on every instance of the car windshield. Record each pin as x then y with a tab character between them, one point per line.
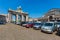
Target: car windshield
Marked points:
37	24
48	24
29	23
25	22
58	23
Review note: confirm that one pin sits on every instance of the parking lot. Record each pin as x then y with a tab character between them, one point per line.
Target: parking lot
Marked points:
16	32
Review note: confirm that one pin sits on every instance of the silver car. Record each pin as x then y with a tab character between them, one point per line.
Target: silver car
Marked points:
37	25
24	24
48	27
58	24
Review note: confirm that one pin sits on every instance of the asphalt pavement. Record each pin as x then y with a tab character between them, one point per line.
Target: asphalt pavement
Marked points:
16	32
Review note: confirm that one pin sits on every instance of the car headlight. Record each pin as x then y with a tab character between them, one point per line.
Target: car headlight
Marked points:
58	25
48	30
36	26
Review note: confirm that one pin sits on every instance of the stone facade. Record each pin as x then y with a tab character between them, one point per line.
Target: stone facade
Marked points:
3	18
18	13
51	15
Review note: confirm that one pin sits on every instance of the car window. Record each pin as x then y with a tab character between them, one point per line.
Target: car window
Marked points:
30	23
58	23
48	24
24	22
37	23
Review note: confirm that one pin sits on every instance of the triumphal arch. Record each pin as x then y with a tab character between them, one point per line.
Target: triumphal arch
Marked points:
19	15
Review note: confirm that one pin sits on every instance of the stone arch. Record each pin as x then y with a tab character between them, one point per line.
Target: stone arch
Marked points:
50	17
19	12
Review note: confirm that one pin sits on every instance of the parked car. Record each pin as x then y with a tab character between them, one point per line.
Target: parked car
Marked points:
37	25
48	27
58	24
58	31
18	23
23	24
2	22
29	25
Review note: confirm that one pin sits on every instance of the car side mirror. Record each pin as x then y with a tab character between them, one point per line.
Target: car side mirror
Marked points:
55	25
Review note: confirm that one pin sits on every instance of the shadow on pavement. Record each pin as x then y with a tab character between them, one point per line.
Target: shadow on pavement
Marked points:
46	32
58	34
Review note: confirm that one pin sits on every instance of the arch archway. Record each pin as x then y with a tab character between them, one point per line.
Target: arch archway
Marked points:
20	15
50	17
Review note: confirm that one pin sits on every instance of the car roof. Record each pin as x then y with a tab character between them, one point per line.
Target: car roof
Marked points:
49	22
57	22
37	22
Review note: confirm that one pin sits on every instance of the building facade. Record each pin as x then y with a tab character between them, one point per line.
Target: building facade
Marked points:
19	15
3	18
51	15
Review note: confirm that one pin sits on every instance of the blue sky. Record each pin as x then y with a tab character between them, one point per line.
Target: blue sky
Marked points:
35	8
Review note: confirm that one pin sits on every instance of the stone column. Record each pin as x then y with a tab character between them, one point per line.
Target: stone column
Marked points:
48	19
53	16
10	17
16	18
7	19
22	18
27	19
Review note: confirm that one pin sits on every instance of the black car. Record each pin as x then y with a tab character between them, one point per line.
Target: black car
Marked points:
2	22
58	31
